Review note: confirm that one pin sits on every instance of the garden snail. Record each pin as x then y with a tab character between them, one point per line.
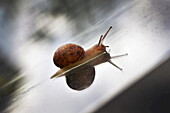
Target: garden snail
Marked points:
78	65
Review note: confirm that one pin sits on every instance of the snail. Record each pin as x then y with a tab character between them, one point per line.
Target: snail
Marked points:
78	65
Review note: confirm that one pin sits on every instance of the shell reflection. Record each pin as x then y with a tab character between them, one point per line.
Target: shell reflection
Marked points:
81	78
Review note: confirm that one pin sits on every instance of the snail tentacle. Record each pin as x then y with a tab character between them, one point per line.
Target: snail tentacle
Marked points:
118	56
114	64
100	40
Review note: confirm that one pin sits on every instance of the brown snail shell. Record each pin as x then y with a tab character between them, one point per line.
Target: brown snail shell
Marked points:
68	54
81	78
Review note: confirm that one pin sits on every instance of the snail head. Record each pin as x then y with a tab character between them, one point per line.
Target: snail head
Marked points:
100	45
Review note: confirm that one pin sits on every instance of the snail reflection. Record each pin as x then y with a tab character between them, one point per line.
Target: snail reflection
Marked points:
78	65
81	78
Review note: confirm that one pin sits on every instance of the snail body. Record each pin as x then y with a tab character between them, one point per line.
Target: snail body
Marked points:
70	55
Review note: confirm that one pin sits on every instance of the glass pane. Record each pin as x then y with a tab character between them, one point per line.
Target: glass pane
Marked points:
31	31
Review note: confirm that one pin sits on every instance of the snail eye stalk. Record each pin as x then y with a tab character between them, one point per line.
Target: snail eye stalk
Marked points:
103	37
100	40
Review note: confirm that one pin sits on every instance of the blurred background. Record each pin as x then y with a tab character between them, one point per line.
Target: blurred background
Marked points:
31	31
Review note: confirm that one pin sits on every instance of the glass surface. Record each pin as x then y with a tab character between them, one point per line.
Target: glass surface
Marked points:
31	31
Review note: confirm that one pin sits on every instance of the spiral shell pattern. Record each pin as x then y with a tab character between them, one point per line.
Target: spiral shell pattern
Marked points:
68	54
